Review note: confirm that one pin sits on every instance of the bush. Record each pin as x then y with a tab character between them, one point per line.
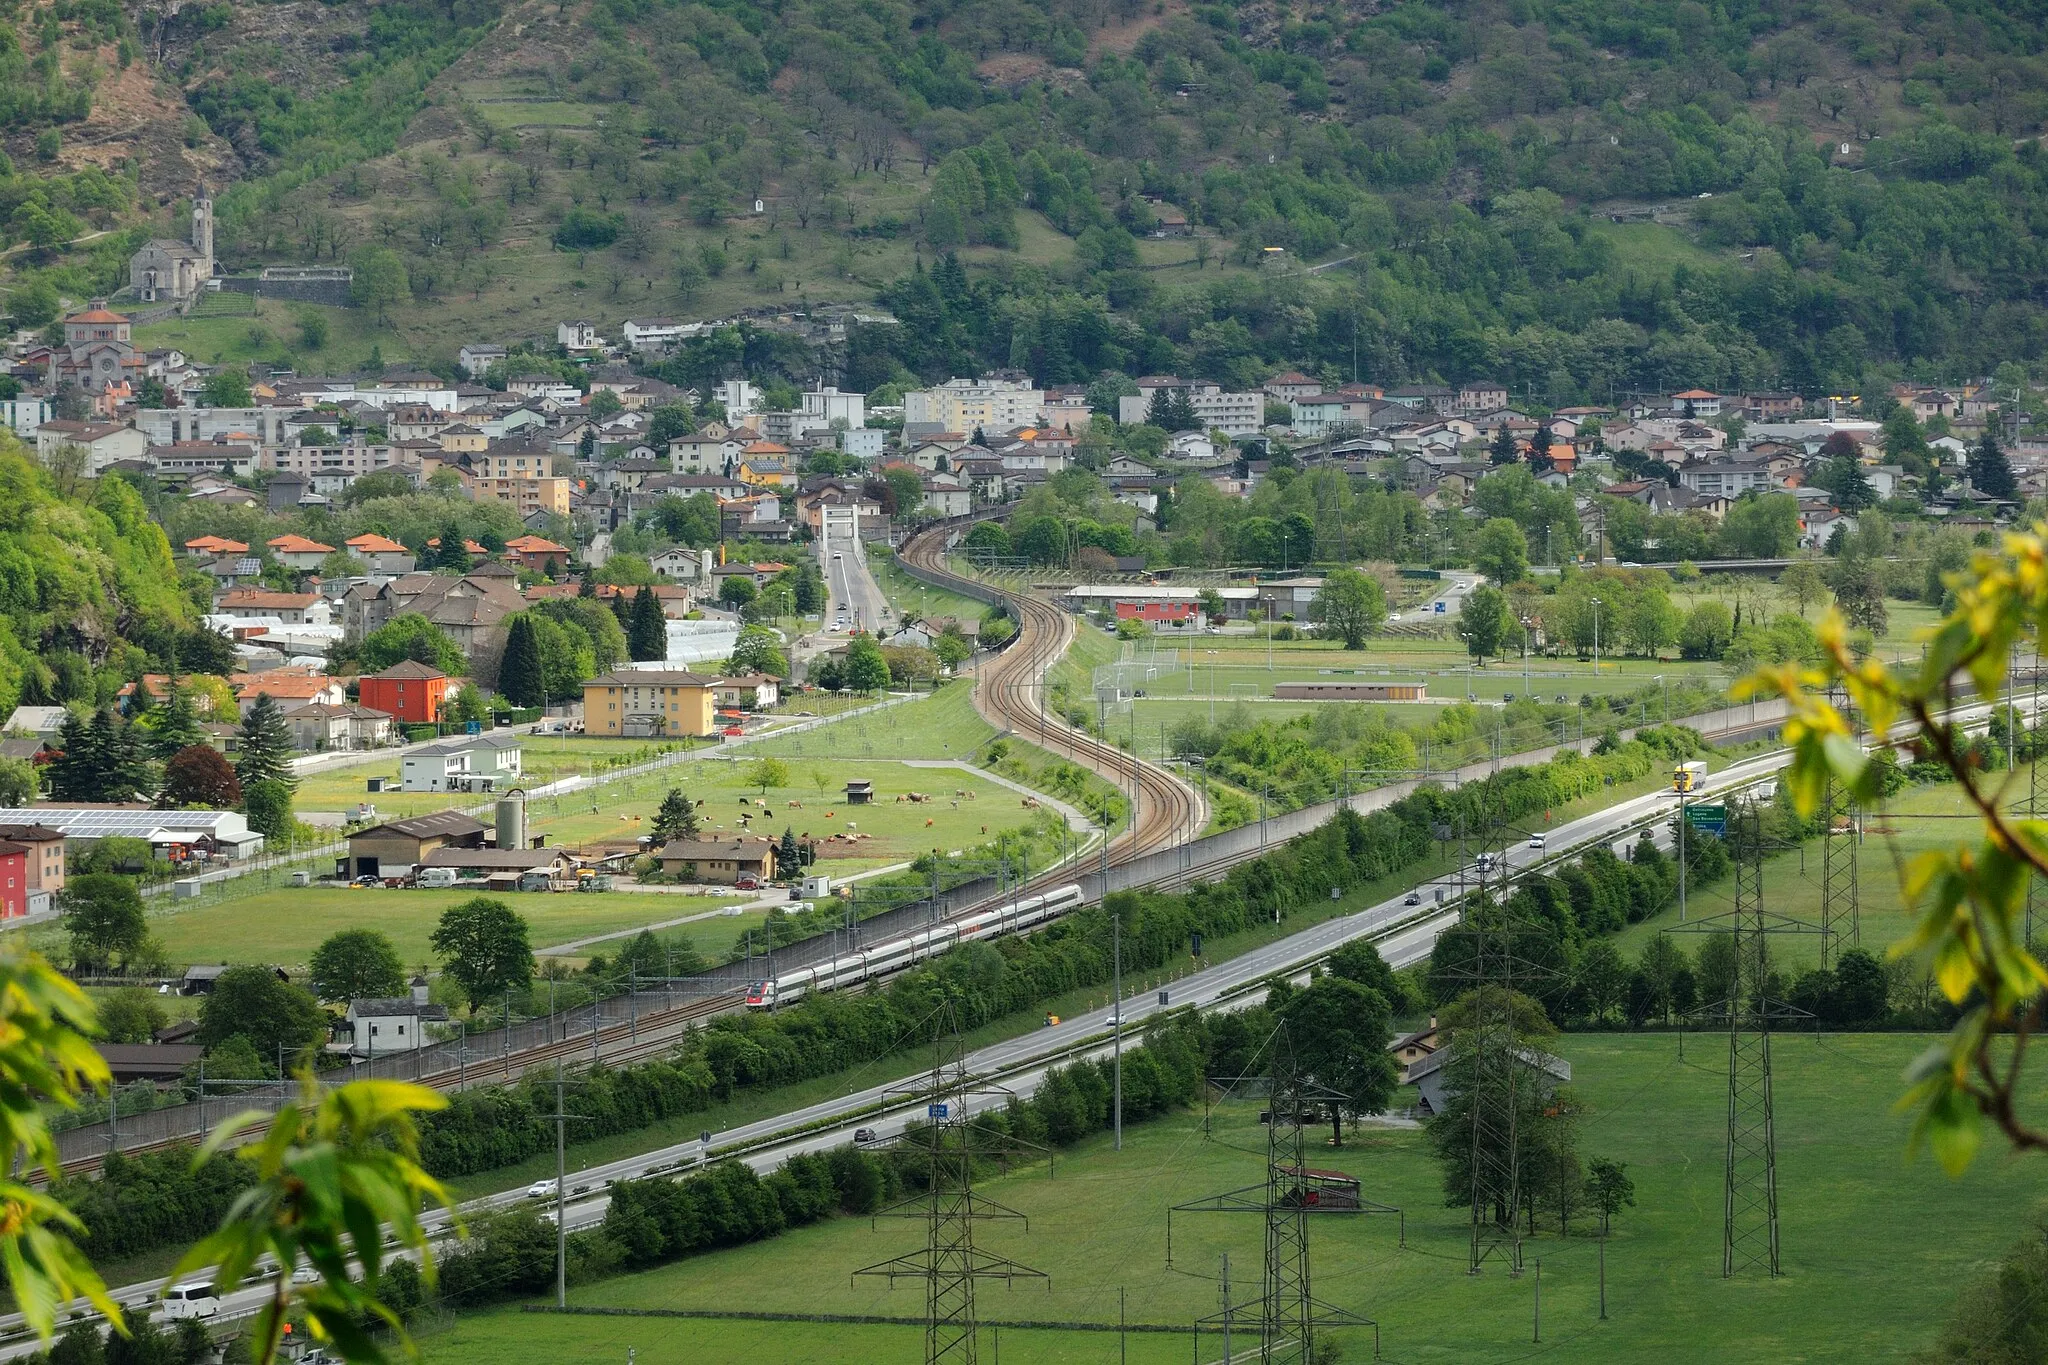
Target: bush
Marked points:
582	229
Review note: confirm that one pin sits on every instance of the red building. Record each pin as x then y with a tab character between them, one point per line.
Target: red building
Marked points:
408	691
13	881
1153	613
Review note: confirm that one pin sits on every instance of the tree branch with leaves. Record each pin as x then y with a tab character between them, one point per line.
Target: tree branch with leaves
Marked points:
1970	898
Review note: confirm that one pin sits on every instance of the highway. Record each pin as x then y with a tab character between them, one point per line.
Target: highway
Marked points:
854	602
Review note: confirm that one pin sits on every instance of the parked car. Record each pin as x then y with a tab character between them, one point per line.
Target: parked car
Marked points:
747	883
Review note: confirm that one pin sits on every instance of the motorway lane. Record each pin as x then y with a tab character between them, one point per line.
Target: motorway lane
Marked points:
851	592
1457	585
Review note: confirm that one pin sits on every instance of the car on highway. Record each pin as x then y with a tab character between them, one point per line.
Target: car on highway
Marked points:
1535	841
1413	898
864	1135
839	554
541	1189
305	1274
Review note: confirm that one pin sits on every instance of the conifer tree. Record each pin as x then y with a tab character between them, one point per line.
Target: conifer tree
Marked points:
522	676
646	629
266	747
1990	472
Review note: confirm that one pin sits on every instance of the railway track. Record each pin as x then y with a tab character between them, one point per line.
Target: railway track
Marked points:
1011	694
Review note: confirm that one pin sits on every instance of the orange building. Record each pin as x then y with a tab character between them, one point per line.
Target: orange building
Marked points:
409	691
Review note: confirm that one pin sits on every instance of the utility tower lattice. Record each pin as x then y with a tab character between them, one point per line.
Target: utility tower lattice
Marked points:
1749	1192
949	1263
1841	897
1501	958
1289	1312
1841	894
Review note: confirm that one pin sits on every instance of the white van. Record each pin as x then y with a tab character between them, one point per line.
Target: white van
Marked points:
194	1300
435	876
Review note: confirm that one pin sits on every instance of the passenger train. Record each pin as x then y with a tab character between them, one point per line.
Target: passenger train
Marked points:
896	954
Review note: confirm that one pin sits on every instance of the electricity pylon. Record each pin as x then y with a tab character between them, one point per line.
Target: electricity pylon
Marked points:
1749	1191
1289	1312
950	1263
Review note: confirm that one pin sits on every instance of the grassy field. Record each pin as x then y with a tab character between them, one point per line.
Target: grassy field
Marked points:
816	789
913	598
943	725
1097	1227
543	759
284	926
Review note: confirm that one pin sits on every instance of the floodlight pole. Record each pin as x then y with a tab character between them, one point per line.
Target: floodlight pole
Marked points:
1116	921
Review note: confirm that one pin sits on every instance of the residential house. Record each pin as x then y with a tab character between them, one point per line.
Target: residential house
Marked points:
720	859
298	552
288	687
215	548
45	860
653	335
287	608
104	443
1728	478
537	553
411	691
1481	395
380	1026
381	554
680	565
640	703
471	609
325	727
466	763
704	453
476	357
578	336
947	497
1773	407
1285	388
750	692
1697	403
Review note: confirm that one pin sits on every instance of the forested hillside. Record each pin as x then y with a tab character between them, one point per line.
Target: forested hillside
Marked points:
88	592
1810	194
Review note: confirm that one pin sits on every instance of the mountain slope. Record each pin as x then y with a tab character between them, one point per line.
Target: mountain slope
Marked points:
1811	195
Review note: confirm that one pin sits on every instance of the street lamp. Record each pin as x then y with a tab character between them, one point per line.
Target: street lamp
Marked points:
1527	623
1596	637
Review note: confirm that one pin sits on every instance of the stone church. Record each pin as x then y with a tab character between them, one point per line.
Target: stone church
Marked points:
165	271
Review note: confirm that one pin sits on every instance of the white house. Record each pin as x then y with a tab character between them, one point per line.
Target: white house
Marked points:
947	498
578	336
863	443
738	397
467	763
679	565
654	334
477	357
829	405
380	1026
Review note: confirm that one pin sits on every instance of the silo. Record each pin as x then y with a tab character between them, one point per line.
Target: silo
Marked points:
512	819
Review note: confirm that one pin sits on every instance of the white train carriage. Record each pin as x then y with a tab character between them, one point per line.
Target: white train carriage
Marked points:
900	953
